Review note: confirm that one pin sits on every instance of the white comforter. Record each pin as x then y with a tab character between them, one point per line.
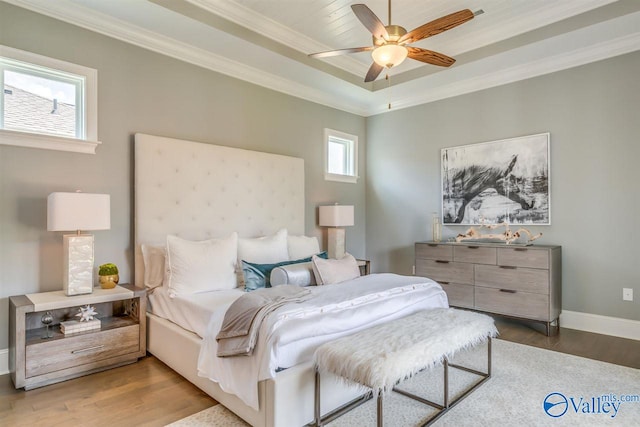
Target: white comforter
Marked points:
333	311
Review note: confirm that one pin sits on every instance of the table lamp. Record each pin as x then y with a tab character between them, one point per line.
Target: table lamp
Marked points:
75	212
335	217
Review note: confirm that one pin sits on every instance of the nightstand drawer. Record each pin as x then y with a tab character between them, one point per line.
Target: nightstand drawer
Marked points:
445	271
516	278
85	348
514	303
523	257
459	295
434	251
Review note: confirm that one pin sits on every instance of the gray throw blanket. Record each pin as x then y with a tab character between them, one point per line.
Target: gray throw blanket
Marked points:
239	331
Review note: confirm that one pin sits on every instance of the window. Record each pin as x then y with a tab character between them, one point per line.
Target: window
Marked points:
47	103
341	156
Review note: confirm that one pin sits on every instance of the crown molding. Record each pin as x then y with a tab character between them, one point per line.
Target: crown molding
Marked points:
121	30
241	15
487	73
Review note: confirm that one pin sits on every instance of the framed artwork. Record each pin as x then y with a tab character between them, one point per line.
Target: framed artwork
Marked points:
497	181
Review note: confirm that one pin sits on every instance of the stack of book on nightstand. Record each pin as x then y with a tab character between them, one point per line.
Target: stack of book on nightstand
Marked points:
74	326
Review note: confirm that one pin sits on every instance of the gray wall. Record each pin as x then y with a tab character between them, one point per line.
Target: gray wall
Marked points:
592	113
140	91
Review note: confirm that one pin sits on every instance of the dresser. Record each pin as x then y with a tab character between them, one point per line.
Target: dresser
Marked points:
511	280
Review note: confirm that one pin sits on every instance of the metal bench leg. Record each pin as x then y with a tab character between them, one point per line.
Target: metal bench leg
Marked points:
380	419
489	357
446	383
317	399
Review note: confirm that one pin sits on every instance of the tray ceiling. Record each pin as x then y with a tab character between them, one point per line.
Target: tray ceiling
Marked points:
267	41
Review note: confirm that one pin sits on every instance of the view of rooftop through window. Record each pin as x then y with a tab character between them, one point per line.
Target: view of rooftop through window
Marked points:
39	104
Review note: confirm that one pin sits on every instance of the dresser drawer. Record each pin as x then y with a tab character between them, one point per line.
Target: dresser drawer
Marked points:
515	278
515	303
459	295
445	271
434	251
71	351
474	254
523	257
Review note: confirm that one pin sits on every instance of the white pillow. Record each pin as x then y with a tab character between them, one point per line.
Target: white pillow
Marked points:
208	265
153	258
302	246
330	271
264	250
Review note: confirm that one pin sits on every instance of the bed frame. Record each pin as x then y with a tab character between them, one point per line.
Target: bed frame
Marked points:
199	191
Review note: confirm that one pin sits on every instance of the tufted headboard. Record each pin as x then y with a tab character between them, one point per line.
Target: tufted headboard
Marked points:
199	191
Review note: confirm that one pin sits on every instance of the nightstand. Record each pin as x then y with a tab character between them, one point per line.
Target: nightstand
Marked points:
365	266
35	361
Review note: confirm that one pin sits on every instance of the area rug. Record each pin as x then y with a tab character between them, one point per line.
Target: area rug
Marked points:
529	387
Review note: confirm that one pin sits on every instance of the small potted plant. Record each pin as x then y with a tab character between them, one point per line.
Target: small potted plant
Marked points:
108	275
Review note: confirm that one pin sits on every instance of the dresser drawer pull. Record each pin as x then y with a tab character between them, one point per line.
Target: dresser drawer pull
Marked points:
433	245
520	249
509	291
508	267
444	283
84	350
473	247
442	262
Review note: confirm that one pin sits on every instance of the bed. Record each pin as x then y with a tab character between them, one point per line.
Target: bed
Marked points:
198	191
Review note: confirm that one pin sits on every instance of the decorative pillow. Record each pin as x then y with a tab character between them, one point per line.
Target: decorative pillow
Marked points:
293	274
257	276
264	250
153	258
208	265
329	271
302	246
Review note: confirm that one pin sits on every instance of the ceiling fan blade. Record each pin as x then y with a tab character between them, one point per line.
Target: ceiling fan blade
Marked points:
373	73
340	52
437	26
370	20
430	57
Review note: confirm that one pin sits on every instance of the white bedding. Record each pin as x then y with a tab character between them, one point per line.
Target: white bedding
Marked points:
192	312
292	333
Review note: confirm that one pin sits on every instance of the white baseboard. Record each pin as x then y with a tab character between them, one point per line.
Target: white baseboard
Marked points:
615	326
4	361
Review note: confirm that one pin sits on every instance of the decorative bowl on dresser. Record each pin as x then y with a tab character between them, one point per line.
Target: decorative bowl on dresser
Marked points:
510	280
36	360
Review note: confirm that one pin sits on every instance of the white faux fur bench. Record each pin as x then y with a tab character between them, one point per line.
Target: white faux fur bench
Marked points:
383	356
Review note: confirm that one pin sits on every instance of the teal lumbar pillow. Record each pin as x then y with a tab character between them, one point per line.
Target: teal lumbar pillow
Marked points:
257	276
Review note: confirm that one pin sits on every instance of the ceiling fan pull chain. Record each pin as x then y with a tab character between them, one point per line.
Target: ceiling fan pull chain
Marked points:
388	78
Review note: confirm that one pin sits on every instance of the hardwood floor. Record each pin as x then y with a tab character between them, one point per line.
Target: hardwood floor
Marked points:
605	348
148	393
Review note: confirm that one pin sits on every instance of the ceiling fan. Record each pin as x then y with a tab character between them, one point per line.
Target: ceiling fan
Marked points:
390	43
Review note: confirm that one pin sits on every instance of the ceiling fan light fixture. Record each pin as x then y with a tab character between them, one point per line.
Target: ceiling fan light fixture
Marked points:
389	55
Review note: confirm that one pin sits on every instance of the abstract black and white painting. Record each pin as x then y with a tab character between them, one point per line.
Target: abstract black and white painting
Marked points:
498	181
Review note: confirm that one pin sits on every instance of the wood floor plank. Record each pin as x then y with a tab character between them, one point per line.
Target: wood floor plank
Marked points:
149	393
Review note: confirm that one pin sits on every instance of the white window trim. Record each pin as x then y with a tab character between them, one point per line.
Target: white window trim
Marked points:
51	142
352	179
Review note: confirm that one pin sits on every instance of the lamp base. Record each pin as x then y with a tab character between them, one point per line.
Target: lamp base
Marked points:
78	264
336	242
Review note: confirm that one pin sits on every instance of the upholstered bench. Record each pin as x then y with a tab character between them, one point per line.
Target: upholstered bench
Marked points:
383	356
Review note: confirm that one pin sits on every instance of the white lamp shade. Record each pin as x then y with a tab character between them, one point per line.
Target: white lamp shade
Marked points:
336	216
78	211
